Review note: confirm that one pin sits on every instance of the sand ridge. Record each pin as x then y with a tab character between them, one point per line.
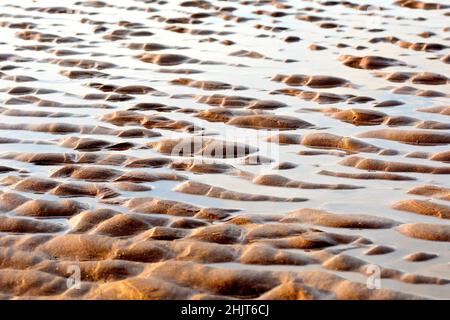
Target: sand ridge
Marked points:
239	150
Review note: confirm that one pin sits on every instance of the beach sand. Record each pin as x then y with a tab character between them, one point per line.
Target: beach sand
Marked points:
224	149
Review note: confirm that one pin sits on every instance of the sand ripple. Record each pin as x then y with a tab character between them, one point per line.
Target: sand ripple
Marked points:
238	150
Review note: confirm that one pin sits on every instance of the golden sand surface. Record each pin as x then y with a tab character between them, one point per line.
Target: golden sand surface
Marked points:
242	149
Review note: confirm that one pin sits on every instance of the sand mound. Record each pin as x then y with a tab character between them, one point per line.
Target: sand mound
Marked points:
323	218
311	81
366	175
427	208
369	62
268	122
206	147
408	136
158	180
390	166
166	59
419	256
426	231
432	191
191	187
281	181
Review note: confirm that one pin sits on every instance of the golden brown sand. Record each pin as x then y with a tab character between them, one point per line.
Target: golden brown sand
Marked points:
224	149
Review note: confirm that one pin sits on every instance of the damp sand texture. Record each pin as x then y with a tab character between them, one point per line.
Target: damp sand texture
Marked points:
224	149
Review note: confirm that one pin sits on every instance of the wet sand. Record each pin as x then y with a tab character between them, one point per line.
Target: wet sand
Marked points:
224	149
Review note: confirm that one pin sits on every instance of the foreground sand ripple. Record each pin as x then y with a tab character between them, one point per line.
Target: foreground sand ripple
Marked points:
239	150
